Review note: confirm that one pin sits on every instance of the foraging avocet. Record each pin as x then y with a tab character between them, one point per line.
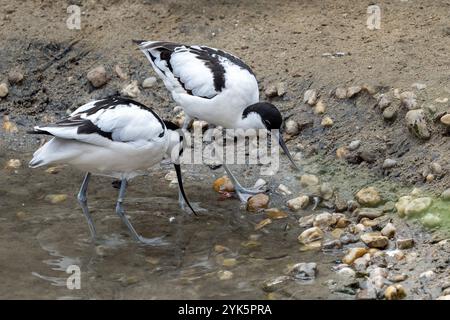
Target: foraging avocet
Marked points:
115	137
214	86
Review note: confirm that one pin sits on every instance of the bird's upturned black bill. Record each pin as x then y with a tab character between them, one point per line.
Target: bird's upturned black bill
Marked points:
286	150
180	184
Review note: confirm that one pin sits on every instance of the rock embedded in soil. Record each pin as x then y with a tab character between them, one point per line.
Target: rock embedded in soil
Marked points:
15	76
353	91
310	97
417	124
404	244
98	76
408	100
446	195
354	145
390	113
224	275
263	223
131	90
431	220
223	184
340	93
56	198
389	164
427	275
298	203
369	197
342	152
271	91
310	235
445	119
291	128
353	254
384	101
3	90
327	122
394	292
401	204
303	270
274	214
375	240
417	206
149	82
320	107
281	89
389	230
13	164
309	180
120	73
257	202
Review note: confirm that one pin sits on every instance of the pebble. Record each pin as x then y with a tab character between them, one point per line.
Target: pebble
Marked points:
418	85
229	262
281	89
340	93
389	164
417	206
218	248
431	220
275	284
353	254
445	119
303	270
263	223
320	107
427	275
291	127
97	76
404	244
354	145
368	197
310	97
342	152
13	164
342	223
15	76
298	203
408	100
394	292
324	220
271	91
352	91
223	184
327	122
436	168
384	102
224	274
282	189
122	75
312	246
416	123
347	276
9	126
306	221
3	90
310	235
361	264
149	82
401	204
257	202
389	231
375	240
332	244
446	195
390	113
274	213
326	191
56	198
54	170
131	90
398	278
309	180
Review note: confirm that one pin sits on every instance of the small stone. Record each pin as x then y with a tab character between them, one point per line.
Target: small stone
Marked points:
310	235
310	97
324	220
441	100
436	168
390	113
429	178
427	275
303	270
343	223
320	107
306	221
404	244
298	203
101	250
342	152
281	89
327	122
308	180
97	76
257	202
389	231
361	264
223	184
419	86
352	91
21	215
416	123
149	82
274	213
54	170
263	223
56	198
9	126
368	197
446	195
224	275
408	100
131	90
384	102
3	90
401	204
431	220
389	164
120	73
229	262
337	233
354	145
340	93
282	189
332	244
291	127
445	119
275	284
353	254
398	278
271	91
15	76
312	246
417	206
375	240
347	276
395	292
13	164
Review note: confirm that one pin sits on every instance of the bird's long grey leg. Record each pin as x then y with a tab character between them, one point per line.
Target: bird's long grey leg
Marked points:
243	193
121	213
82	199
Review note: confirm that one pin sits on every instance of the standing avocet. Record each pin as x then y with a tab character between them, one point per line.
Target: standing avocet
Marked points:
115	137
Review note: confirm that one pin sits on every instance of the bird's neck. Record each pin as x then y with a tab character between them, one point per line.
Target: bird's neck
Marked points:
250	121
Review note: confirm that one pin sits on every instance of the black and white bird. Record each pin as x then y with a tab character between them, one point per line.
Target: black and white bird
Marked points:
214	86
114	137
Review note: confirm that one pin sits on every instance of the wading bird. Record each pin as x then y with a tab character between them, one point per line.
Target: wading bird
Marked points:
114	137
214	86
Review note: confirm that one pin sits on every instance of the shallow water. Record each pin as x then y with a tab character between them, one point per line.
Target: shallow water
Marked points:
39	240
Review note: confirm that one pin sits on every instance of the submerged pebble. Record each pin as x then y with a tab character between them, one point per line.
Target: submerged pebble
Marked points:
298	203
275	284
310	235
56	198
274	213
257	202
13	164
303	270
353	254
368	197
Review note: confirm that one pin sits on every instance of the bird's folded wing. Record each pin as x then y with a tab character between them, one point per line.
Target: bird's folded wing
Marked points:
109	120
